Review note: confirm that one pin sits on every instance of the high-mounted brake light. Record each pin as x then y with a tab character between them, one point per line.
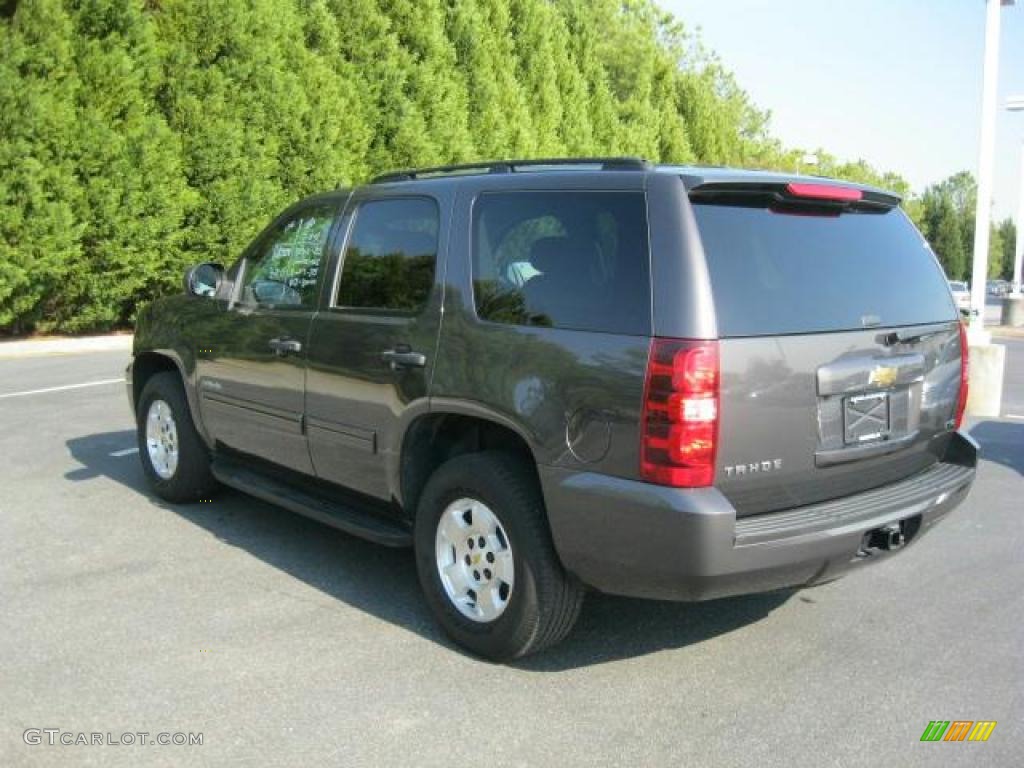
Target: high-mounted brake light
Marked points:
824	192
961	403
679	423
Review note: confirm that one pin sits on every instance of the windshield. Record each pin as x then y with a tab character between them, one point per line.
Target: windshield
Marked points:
778	273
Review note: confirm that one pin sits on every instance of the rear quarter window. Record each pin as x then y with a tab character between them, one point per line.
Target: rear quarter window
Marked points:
778	273
572	259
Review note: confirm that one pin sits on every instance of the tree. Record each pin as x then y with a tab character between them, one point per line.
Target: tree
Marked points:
637	47
723	127
499	117
995	252
139	136
585	35
538	67
40	230
435	85
945	212
946	240
1008	238
134	194
961	190
262	118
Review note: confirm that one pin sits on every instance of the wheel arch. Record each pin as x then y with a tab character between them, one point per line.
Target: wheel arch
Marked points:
150	363
434	437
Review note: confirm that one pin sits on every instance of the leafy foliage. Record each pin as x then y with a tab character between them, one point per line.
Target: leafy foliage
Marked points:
1008	241
140	136
945	215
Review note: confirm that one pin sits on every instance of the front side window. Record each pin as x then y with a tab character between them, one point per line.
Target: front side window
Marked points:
284	270
390	257
576	260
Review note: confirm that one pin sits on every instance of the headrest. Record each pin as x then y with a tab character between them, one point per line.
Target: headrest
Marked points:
550	253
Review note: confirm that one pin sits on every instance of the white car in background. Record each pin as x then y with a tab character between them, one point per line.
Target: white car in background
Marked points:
997	287
961	295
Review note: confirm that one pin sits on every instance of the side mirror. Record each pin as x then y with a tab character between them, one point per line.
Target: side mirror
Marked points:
204	279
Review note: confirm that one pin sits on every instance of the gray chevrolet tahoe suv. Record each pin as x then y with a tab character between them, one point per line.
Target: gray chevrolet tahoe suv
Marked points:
552	376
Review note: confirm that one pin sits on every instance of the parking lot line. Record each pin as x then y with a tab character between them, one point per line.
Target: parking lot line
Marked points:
28	392
1015	416
124	452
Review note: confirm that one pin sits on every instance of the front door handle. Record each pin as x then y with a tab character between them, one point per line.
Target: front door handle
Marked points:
403	358
285	346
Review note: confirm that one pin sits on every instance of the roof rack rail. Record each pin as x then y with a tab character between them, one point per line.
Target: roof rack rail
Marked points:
511	166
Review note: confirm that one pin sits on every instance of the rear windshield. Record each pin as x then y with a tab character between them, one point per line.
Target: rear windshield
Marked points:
782	273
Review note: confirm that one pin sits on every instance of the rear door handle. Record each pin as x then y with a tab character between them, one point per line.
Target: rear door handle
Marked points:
285	346
403	358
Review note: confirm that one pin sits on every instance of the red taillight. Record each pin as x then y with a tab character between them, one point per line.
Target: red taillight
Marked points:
824	192
679	423
961	402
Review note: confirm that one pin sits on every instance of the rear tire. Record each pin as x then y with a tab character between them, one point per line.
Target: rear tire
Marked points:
174	457
525	601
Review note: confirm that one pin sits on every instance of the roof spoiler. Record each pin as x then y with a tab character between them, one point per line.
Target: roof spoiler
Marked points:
797	192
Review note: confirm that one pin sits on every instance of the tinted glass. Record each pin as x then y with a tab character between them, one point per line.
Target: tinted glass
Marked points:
776	273
562	259
389	261
286	266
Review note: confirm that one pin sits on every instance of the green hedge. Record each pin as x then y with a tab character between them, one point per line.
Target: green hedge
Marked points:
139	137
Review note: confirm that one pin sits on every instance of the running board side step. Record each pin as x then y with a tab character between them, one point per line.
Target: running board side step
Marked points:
346	516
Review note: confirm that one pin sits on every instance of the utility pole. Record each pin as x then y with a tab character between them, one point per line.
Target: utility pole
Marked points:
983	212
1016	104
988	360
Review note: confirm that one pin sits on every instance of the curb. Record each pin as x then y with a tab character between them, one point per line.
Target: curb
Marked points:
78	345
1006	331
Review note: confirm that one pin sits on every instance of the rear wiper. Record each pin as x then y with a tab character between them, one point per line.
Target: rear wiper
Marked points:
907	337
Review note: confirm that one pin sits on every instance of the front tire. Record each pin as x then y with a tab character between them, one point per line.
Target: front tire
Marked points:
486	561
174	457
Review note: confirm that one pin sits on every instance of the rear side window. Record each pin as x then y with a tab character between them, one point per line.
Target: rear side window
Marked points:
782	273
574	260
389	260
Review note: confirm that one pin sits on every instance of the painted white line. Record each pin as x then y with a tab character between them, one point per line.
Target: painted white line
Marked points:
102	382
124	452
1014	416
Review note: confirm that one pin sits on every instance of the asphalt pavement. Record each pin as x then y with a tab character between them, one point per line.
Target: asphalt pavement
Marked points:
285	643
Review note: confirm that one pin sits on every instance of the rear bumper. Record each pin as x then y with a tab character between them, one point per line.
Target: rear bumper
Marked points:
631	538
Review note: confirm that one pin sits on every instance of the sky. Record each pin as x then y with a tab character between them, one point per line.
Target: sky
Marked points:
895	82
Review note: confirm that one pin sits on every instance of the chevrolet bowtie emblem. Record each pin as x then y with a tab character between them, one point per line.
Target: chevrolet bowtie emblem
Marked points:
883	376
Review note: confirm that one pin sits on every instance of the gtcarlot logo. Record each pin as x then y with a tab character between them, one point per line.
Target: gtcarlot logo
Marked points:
958	730
57	736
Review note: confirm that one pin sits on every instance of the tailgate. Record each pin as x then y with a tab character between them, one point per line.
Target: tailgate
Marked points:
814	417
839	343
